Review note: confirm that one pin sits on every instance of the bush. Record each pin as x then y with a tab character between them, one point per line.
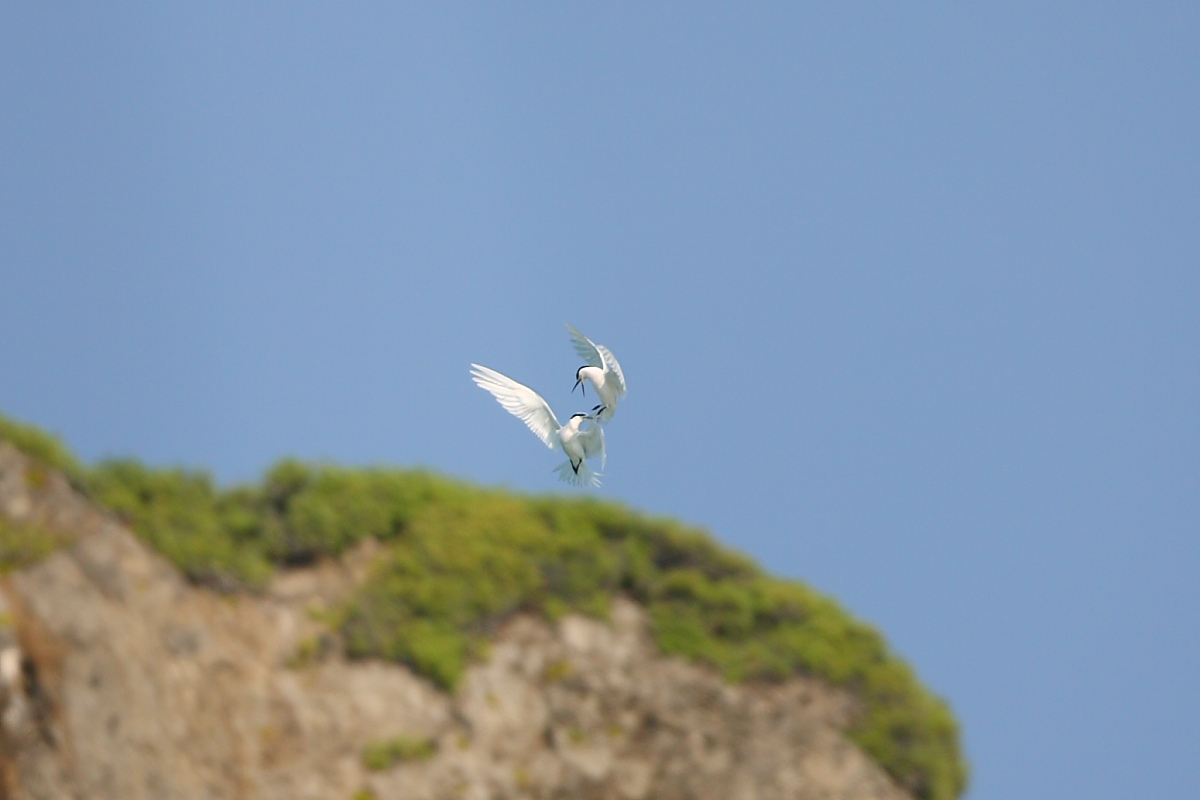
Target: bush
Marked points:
22	544
42	447
385	755
213	537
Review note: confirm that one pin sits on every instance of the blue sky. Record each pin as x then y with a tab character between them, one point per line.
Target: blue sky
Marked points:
907	298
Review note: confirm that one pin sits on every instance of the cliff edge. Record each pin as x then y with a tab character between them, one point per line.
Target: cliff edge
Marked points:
121	678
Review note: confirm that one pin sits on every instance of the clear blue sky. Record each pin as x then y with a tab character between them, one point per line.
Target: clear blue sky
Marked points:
908	298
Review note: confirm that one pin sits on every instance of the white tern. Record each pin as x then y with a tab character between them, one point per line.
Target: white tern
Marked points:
525	404
602	370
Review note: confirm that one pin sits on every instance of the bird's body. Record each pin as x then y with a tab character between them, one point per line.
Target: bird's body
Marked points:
579	443
602	371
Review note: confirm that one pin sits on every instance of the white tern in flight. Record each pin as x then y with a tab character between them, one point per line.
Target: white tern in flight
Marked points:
528	406
602	370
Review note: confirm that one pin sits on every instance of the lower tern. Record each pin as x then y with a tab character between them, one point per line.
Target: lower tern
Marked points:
579	443
602	370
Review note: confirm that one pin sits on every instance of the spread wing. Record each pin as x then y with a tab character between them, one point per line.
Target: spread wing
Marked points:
519	400
610	361
597	355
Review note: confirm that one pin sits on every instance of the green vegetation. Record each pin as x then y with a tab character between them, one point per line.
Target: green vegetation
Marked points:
214	537
22	544
385	755
558	671
458	560
38	444
311	651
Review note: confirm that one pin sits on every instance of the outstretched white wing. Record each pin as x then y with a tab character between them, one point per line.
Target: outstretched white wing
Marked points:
522	402
597	355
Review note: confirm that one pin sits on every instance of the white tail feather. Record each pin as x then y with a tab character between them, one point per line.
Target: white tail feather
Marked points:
586	476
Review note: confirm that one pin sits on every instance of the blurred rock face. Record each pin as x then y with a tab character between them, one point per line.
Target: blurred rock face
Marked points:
118	679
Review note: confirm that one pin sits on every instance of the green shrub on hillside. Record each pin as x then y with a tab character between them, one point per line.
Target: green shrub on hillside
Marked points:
214	537
42	447
460	567
23	543
457	561
379	756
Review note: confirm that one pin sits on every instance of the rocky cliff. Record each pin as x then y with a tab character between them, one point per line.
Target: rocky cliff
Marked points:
119	678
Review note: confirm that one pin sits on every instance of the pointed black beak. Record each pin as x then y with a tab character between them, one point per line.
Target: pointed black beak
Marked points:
582	388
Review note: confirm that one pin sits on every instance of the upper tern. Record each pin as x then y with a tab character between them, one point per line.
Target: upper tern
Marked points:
527	405
602	370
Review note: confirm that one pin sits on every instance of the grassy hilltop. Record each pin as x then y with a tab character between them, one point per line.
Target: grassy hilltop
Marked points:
459	559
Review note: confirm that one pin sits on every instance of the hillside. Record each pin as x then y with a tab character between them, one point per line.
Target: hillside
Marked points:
373	609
